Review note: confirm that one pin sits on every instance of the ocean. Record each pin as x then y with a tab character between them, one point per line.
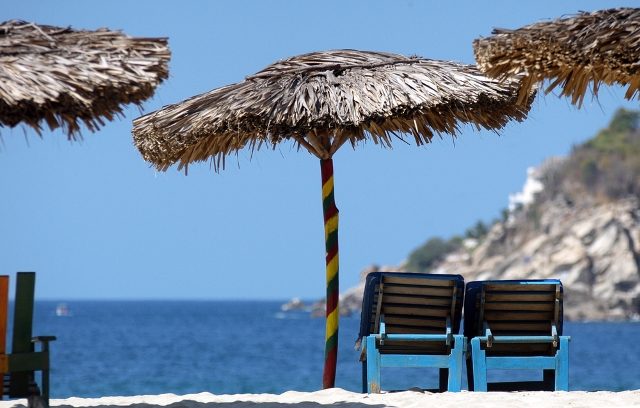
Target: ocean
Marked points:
120	348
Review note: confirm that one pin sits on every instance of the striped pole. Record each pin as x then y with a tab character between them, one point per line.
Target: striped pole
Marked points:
330	212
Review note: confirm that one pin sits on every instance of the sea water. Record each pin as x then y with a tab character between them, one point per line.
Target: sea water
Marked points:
109	348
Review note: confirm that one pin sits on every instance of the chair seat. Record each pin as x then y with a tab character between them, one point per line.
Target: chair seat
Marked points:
413	347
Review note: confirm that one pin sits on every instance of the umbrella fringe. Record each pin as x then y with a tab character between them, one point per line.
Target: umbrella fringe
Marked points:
597	47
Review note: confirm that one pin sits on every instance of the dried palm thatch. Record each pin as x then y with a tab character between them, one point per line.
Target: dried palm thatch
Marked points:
587	48
322	100
63	76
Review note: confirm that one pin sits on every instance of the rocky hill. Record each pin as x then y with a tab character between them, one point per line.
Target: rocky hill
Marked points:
577	219
593	249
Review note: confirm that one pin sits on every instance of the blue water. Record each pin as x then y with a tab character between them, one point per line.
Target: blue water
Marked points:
133	348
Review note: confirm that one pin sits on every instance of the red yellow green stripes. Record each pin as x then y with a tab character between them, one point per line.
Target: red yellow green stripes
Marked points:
330	212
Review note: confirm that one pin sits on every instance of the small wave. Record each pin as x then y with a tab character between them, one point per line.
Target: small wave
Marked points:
291	315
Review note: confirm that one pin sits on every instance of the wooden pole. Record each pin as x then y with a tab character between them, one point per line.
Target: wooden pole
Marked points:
330	212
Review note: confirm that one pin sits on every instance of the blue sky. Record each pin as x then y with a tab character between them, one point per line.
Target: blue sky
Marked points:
97	222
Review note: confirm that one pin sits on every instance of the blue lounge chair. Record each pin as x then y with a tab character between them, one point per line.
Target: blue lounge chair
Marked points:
412	320
516	325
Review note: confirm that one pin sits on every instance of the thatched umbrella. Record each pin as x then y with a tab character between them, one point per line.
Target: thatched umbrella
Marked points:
62	76
320	101
576	51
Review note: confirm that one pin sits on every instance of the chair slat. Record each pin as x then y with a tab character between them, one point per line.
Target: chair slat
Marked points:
520	297
490	315
393	329
415	321
416	300
414	282
520	287
415	311
418	290
498	327
534	306
432	326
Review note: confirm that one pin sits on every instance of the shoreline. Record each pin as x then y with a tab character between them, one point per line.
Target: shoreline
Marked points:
339	398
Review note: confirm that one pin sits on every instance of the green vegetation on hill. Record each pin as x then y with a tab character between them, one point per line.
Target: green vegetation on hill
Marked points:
426	256
434	250
606	167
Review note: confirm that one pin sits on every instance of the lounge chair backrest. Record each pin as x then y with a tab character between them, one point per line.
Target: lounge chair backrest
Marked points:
23	313
22	329
514	308
4	306
412	303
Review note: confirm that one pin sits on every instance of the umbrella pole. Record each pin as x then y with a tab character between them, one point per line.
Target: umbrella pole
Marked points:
330	212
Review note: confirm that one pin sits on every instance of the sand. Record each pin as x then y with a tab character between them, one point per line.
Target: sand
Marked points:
338	398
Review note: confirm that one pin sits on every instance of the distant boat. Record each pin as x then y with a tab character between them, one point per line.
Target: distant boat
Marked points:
62	310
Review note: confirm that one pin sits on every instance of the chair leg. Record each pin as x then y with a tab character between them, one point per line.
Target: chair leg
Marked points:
443	375
479	363
562	365
364	376
37	401
45	386
373	366
549	379
469	373
455	364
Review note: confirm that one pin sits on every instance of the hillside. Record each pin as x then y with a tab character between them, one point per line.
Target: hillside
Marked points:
577	219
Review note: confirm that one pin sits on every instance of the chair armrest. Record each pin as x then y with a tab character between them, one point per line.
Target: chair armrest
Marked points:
521	339
363	350
43	339
383	330
488	334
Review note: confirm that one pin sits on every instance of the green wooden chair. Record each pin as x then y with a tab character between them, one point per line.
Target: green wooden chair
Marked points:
412	320
515	325
18	367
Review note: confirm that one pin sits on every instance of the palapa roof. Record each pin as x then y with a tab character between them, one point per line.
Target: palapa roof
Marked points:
576	51
65	77
322	100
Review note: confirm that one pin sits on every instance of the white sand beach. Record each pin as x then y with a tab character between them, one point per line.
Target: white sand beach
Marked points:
338	398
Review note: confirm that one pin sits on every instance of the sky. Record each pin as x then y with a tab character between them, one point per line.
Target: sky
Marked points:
95	221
